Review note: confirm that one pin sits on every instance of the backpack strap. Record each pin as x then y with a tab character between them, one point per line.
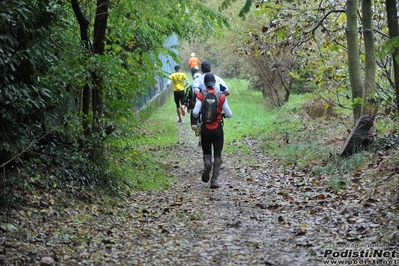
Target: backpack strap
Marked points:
222	99
201	96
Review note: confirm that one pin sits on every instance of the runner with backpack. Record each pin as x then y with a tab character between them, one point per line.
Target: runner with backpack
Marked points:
211	104
199	86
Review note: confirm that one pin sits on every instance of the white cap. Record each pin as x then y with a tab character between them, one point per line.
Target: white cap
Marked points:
192	54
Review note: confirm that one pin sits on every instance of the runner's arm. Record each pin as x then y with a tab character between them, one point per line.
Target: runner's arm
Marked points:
168	84
186	81
226	109
223	87
197	108
196	86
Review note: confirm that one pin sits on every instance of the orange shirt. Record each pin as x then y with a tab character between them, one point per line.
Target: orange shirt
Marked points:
193	62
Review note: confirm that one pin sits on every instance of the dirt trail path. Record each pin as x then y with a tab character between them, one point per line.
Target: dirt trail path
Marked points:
262	215
239	223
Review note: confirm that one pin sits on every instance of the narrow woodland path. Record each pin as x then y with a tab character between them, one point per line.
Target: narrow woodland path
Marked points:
242	223
238	224
262	215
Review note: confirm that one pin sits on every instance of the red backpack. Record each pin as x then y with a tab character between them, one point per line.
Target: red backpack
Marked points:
212	107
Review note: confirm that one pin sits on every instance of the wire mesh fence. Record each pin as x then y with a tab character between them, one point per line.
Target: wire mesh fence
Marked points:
168	64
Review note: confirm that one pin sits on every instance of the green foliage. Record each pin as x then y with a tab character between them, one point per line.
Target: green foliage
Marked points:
164	131
317	39
357	101
218	44
284	133
137	170
302	85
385	101
337	183
245	9
384	125
42	90
60	162
25	57
130	162
389	48
244	113
145	27
351	163
45	71
389	142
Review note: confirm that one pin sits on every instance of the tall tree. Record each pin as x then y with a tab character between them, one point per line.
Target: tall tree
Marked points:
370	64
352	38
393	27
100	26
85	39
98	48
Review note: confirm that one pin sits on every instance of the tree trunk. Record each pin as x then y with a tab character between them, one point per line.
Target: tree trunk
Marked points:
96	94
394	33
370	65
352	38
100	26
84	36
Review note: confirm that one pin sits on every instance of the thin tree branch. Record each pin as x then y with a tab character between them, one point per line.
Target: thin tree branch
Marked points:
24	150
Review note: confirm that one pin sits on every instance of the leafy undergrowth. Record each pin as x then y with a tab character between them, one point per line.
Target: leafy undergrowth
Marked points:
265	213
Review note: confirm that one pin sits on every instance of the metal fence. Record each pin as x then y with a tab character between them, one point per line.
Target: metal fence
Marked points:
167	66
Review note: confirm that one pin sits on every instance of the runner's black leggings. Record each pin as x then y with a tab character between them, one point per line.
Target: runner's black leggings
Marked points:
180	98
212	137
